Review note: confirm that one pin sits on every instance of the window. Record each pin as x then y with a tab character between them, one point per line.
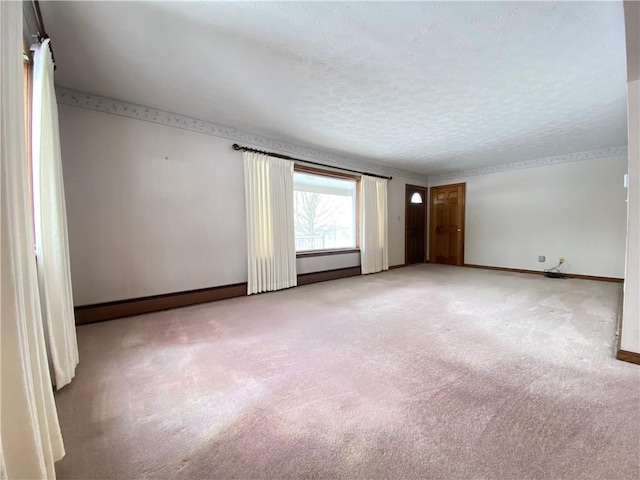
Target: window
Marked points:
416	198
325	210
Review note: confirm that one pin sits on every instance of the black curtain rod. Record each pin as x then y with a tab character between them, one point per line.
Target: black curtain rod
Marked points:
287	157
42	33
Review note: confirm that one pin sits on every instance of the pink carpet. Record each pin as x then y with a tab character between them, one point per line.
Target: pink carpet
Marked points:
423	372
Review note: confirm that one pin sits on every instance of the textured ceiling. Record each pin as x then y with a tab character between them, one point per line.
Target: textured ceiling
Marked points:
426	87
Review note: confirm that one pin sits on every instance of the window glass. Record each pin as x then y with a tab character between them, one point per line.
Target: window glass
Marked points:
416	198
324	211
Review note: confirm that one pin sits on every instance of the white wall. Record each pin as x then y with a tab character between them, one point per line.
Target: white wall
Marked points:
151	209
326	262
630	336
154	209
574	210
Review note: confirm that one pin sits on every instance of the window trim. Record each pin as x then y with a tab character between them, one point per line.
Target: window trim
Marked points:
301	168
326	251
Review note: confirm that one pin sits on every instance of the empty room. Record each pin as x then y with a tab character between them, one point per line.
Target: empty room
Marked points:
357	240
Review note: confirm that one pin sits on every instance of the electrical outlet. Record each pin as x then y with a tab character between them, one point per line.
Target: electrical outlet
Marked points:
562	260
542	258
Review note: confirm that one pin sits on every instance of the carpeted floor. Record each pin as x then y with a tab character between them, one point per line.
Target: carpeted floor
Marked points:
422	372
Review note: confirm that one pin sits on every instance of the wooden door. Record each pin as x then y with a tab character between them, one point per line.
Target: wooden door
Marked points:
415	225
446	239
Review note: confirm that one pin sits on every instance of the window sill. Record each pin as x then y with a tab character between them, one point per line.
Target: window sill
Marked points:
320	253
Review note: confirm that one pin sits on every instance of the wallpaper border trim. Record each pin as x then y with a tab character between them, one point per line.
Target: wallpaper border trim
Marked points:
89	101
536	162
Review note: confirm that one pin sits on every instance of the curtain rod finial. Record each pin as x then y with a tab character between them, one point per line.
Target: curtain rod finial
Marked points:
235	146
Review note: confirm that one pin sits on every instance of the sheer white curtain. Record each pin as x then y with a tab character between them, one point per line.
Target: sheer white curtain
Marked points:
29	429
268	185
374	250
52	244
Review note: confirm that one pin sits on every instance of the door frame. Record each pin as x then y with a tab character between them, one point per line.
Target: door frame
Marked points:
426	217
432	231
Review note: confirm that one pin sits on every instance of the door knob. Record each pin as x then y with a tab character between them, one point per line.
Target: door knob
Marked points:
458	229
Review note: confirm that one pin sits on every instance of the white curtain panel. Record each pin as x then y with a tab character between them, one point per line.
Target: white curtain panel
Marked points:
29	429
374	249
52	243
271	250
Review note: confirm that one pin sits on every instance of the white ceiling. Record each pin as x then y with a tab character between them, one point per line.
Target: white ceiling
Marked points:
426	87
